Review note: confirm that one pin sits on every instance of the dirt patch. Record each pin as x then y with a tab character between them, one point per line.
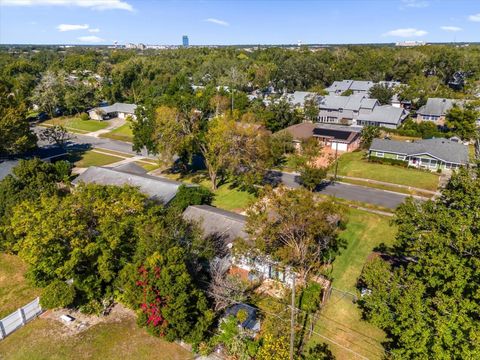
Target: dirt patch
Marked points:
326	158
84	322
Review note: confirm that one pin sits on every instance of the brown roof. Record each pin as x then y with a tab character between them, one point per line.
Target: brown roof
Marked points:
301	131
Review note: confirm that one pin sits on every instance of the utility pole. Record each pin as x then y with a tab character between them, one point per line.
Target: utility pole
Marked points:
292	319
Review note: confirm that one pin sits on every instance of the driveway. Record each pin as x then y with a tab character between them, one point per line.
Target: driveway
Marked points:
383	198
112	124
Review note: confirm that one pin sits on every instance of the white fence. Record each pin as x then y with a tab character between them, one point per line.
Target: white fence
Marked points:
19	318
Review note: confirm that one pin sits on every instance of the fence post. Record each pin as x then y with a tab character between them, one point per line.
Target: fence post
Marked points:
22	316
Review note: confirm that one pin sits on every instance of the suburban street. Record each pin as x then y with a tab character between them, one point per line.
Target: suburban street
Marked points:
352	192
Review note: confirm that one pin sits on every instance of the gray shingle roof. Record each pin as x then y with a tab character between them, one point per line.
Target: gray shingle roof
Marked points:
361	85
6	168
442	149
298	97
385	114
118	108
353	102
436	107
155	188
217	222
339	86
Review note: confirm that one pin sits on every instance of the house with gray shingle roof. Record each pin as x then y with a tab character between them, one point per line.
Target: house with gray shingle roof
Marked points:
356	86
156	188
431	154
435	110
119	110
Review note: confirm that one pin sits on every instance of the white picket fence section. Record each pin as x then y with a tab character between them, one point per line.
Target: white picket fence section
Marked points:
20	317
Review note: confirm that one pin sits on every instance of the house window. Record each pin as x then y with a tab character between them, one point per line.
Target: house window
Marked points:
380	154
400	157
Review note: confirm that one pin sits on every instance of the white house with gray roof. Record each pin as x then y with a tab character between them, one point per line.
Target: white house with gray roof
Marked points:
359	110
431	154
356	86
119	110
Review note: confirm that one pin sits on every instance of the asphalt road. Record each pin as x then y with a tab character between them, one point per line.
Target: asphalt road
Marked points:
363	194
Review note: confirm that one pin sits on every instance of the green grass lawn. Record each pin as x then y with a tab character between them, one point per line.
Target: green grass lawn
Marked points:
121	339
122	133
76	124
92	158
341	318
15	291
353	164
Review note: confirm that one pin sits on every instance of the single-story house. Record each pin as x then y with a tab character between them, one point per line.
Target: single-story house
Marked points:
383	115
336	137
119	110
431	154
435	110
156	188
229	227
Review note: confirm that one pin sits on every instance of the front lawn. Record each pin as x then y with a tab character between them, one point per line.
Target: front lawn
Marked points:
353	164
75	124
122	133
92	158
341	320
115	339
15	290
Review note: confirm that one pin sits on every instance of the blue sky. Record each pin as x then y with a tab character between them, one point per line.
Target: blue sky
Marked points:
237	22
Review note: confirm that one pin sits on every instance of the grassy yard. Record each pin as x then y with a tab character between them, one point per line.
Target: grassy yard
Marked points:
15	291
47	339
92	158
75	124
340	319
122	133
352	164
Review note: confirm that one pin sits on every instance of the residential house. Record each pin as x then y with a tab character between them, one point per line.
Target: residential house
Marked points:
435	110
298	98
335	137
228	227
251	322
359	110
119	110
431	154
159	189
356	86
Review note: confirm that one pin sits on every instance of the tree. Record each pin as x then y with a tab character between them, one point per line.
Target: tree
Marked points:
382	93
56	134
463	122
235	340
293	227
274	348
311	177
318	352
367	135
282	116
170	304
190	195
426	297
57	294
16	136
87	236
49	92
311	108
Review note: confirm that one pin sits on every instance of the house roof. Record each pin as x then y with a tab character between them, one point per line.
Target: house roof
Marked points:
306	130
213	221
299	97
118	108
345	136
442	149
361	85
385	114
302	131
436	107
251	321
6	168
155	188
131	168
353	102
339	86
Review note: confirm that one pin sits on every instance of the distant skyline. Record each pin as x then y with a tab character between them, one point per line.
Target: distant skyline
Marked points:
237	22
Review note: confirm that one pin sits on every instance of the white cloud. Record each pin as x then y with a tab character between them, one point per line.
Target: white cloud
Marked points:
96	30
91	39
217	21
71	27
415	4
451	28
93	4
407	32
474	17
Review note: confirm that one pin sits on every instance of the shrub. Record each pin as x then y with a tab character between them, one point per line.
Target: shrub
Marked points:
388	161
191	195
57	294
84	116
311	177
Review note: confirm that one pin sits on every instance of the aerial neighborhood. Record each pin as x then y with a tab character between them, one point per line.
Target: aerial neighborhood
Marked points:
240	202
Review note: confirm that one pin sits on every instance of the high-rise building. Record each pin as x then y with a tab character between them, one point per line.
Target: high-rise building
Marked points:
185	40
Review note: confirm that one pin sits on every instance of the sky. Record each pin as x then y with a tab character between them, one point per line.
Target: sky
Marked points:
223	22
